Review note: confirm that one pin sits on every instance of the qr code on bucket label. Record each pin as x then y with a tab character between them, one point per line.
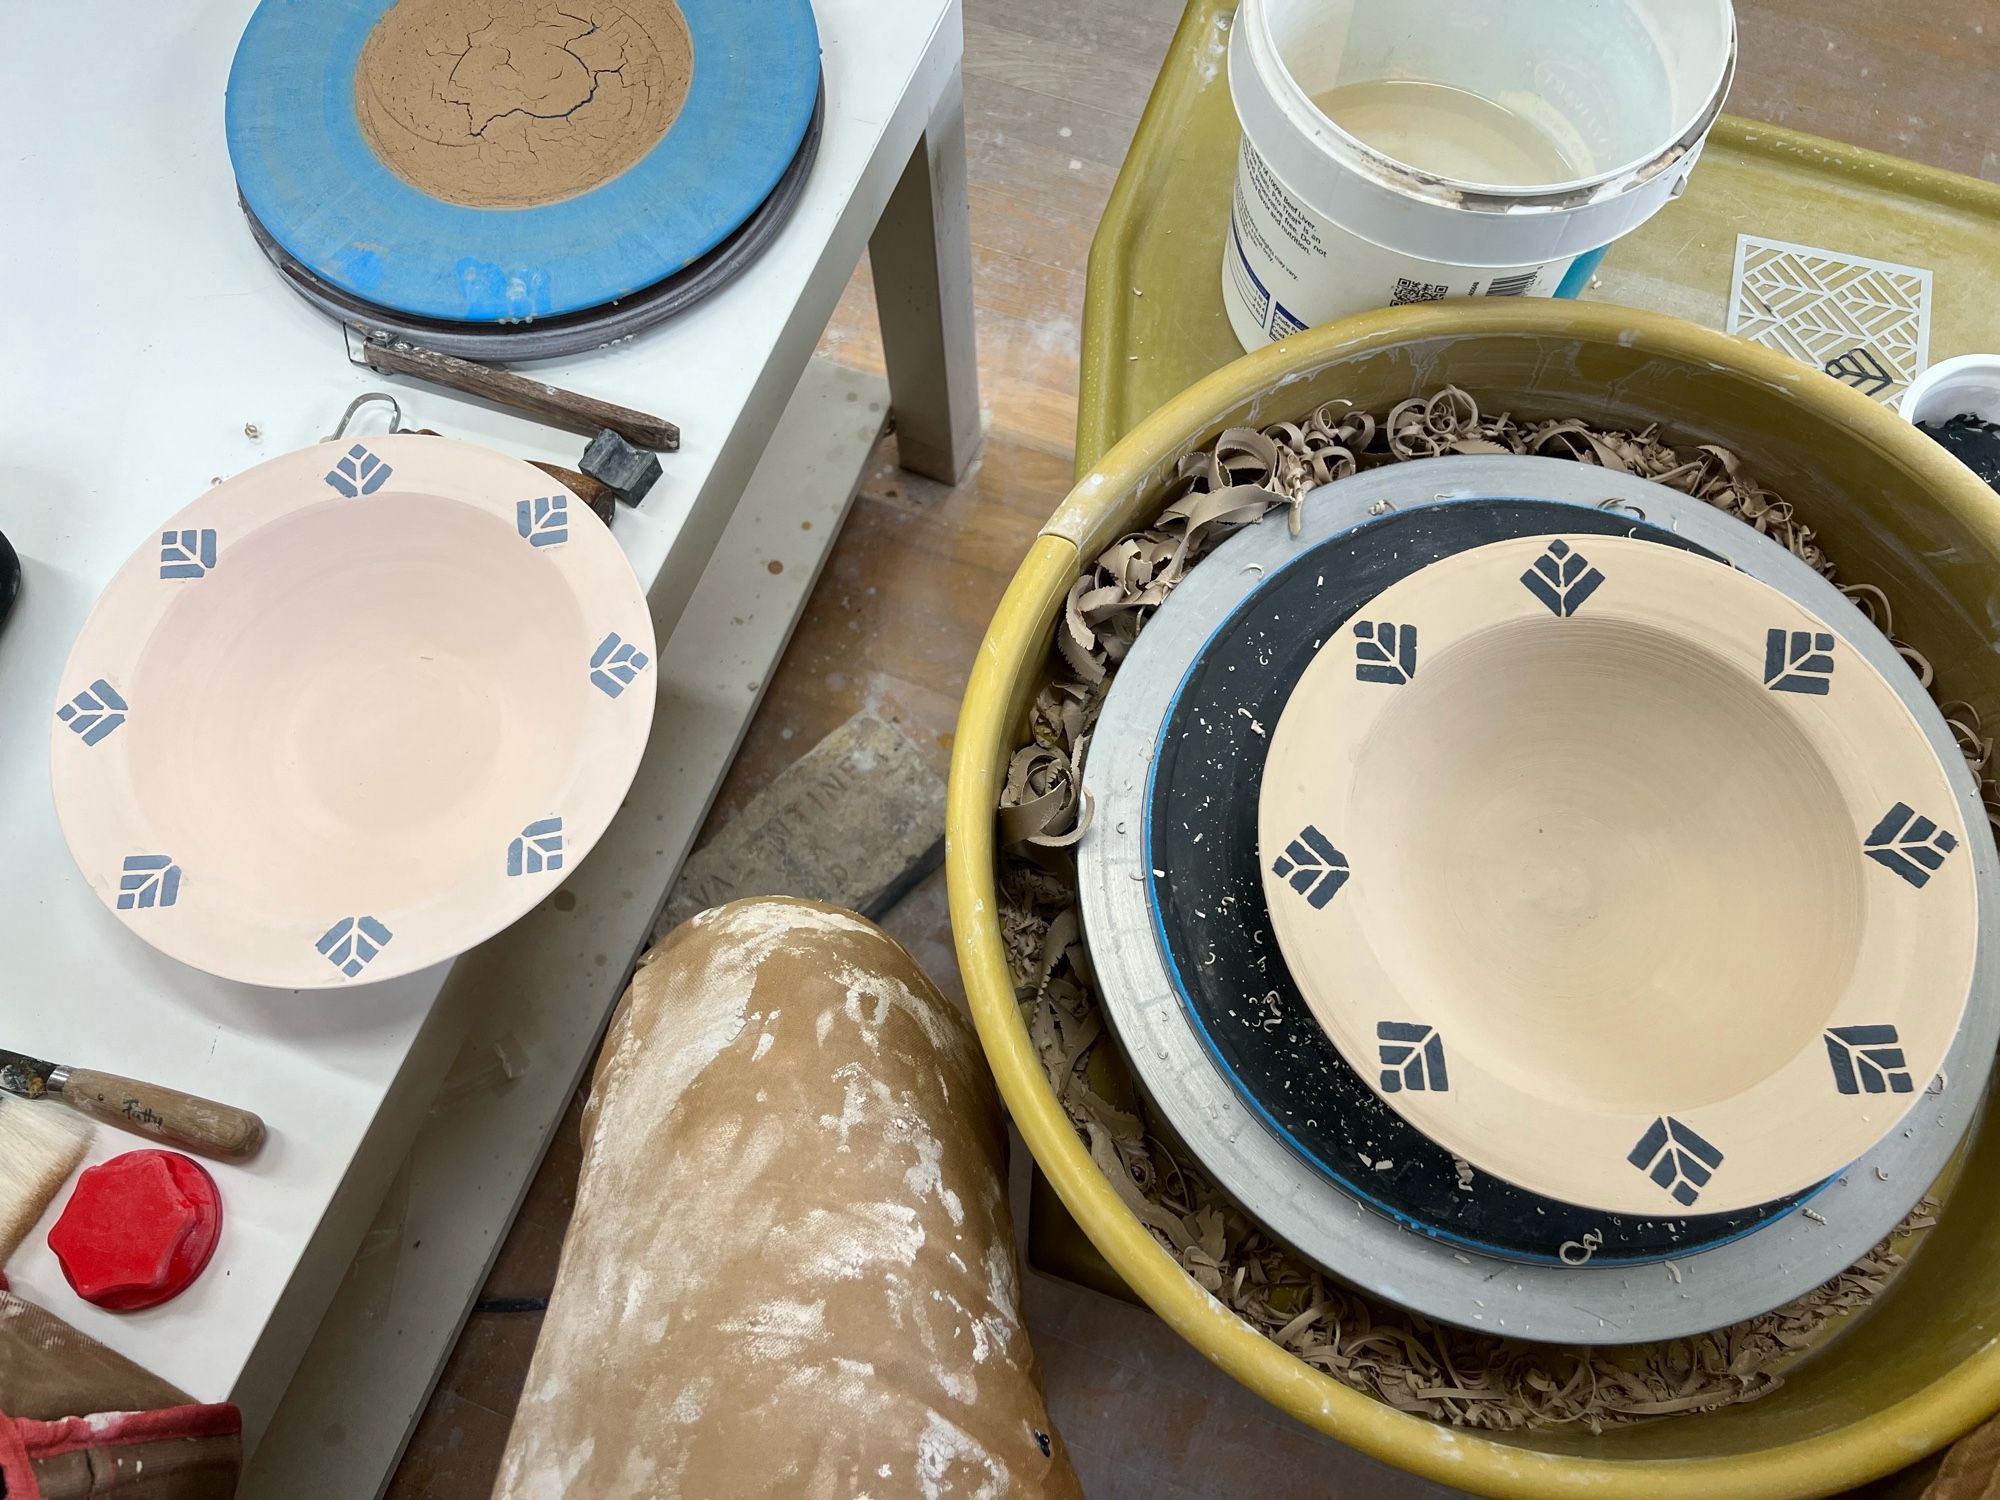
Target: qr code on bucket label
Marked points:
1408	291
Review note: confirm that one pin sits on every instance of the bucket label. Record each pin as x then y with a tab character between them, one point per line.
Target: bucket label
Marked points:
1288	267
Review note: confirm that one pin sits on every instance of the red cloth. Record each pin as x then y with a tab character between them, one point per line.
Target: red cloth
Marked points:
118	1429
17	1470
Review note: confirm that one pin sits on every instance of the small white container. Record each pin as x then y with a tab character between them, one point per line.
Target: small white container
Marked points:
1954	387
1624	92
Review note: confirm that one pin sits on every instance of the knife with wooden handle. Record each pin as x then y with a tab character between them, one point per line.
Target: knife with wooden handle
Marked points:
389	355
172	1118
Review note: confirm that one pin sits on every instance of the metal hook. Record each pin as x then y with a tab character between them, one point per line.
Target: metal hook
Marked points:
395	413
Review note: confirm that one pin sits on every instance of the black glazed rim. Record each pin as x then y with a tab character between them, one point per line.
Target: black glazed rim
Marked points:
10	575
1214	929
587	328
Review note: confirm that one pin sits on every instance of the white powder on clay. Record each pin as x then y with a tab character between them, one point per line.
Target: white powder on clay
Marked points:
943	1450
786	1235
780	1330
844	1244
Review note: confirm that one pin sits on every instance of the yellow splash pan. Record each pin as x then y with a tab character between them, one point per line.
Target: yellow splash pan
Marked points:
1922	1365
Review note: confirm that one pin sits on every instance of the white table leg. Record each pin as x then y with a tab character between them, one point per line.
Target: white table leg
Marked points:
921	254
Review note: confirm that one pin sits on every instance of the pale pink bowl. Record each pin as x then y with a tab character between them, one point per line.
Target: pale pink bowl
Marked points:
353	711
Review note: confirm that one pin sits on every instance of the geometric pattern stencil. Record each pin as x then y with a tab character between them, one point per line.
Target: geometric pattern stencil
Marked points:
1412	1058
1385	653
1562	579
544	523
186	554
149	880
359	473
1866	322
614	664
1315	869
1867	1060
539	848
1912	846
1798	661
351	944
1676	1158
94	712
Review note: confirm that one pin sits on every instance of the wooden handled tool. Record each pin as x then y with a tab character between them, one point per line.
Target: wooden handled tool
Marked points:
161	1114
548	403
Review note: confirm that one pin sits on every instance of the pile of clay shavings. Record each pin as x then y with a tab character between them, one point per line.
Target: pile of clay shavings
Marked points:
1467	1379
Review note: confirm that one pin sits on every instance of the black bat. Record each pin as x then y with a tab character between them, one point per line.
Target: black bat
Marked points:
10	576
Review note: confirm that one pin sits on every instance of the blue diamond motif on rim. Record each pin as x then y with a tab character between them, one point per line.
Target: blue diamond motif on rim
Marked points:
358	473
95	712
1913	846
351	944
1412	1058
539	848
1313	868
1676	1158
1799	661
1867	1060
187	554
1385	653
1562	579
544	522
615	663
149	880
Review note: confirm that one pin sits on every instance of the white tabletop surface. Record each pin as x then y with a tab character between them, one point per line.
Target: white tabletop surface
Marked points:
143	331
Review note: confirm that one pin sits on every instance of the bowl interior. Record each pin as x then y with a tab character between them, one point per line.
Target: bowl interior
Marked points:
362	700
1578	813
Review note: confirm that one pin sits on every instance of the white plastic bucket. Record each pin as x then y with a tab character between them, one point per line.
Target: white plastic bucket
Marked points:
1967	385
1324	225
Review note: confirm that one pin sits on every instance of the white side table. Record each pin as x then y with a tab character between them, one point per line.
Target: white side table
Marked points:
148	348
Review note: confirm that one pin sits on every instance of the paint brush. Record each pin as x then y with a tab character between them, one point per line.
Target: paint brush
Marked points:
166	1115
39	1148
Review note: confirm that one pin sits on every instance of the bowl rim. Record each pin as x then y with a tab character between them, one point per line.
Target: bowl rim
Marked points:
1010	663
1792	1128
105	820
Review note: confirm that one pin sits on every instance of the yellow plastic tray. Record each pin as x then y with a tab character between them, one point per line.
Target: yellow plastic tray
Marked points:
1153	321
1162	373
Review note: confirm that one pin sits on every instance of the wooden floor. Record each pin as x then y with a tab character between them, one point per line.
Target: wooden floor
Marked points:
1054	89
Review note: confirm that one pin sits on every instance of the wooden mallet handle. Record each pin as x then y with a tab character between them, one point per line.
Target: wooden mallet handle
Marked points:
165	1115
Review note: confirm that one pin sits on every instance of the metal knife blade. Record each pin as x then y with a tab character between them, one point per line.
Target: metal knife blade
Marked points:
23	1075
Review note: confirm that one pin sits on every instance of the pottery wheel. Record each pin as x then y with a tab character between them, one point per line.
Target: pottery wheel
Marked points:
592	328
1257	1134
497	161
1205	879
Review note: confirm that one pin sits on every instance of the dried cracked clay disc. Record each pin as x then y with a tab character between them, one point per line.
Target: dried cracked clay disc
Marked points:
508	161
513	103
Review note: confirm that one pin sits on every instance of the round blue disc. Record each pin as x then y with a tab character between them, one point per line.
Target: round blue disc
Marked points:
306	170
